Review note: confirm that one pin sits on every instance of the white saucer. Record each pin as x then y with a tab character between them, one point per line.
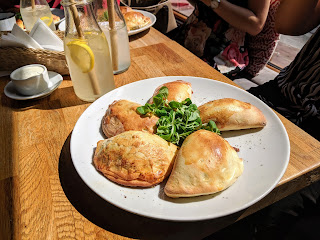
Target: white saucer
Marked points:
55	79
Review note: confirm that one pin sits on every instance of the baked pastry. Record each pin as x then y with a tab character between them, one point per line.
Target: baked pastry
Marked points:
20	23
178	91
135	158
232	114
135	20
125	9
122	116
205	164
55	18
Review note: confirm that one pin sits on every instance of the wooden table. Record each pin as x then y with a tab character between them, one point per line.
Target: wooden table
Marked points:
43	197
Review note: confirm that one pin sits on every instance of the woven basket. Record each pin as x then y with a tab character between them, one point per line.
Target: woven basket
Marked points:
12	58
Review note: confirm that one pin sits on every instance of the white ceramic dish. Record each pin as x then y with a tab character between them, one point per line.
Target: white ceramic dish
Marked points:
265	153
7	20
62	25
55	79
31	79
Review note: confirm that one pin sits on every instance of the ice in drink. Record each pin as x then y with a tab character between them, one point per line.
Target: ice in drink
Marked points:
89	65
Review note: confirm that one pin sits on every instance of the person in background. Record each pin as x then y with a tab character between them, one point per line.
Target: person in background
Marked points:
13	5
295	92
9	6
216	31
55	4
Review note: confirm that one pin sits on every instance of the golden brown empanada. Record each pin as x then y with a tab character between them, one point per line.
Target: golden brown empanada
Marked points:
135	158
122	116
178	91
135	20
232	114
125	9
205	164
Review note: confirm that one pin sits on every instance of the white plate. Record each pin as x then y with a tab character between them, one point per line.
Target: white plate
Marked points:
62	25
265	153
55	81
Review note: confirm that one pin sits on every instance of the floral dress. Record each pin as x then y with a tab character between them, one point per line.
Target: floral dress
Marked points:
214	40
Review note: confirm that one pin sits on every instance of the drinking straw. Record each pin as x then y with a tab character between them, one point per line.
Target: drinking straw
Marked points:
92	74
32	4
113	34
76	18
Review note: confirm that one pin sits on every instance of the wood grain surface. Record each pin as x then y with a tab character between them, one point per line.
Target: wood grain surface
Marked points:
43	197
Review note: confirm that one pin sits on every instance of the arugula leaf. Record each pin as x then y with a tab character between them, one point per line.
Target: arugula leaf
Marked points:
211	126
18	16
174	105
164	92
148	108
177	120
106	16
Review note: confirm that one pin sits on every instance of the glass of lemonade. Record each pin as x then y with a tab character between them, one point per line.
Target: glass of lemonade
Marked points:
87	52
118	38
32	10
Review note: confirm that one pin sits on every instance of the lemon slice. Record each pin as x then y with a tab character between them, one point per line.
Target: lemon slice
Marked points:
47	20
81	54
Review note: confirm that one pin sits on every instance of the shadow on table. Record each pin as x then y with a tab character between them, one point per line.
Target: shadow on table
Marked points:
123	223
60	98
138	35
7	173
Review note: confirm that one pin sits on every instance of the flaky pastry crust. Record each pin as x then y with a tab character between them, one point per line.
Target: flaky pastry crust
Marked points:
178	91
135	20
232	114
135	158
205	164
122	116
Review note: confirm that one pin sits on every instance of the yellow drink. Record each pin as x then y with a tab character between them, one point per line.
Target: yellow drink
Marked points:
30	16
89	64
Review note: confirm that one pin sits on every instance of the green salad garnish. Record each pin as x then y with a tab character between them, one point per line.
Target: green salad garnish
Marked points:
105	15
177	120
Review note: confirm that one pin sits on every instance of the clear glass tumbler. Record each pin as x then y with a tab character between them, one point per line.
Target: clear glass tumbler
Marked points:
32	10
112	23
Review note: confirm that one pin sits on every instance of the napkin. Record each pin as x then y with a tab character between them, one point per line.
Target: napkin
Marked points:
22	35
10	40
46	37
40	37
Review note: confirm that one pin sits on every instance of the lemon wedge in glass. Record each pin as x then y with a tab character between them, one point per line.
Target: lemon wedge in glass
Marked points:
81	54
47	20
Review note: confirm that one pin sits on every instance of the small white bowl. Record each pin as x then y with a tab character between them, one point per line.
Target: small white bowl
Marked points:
30	79
7	20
